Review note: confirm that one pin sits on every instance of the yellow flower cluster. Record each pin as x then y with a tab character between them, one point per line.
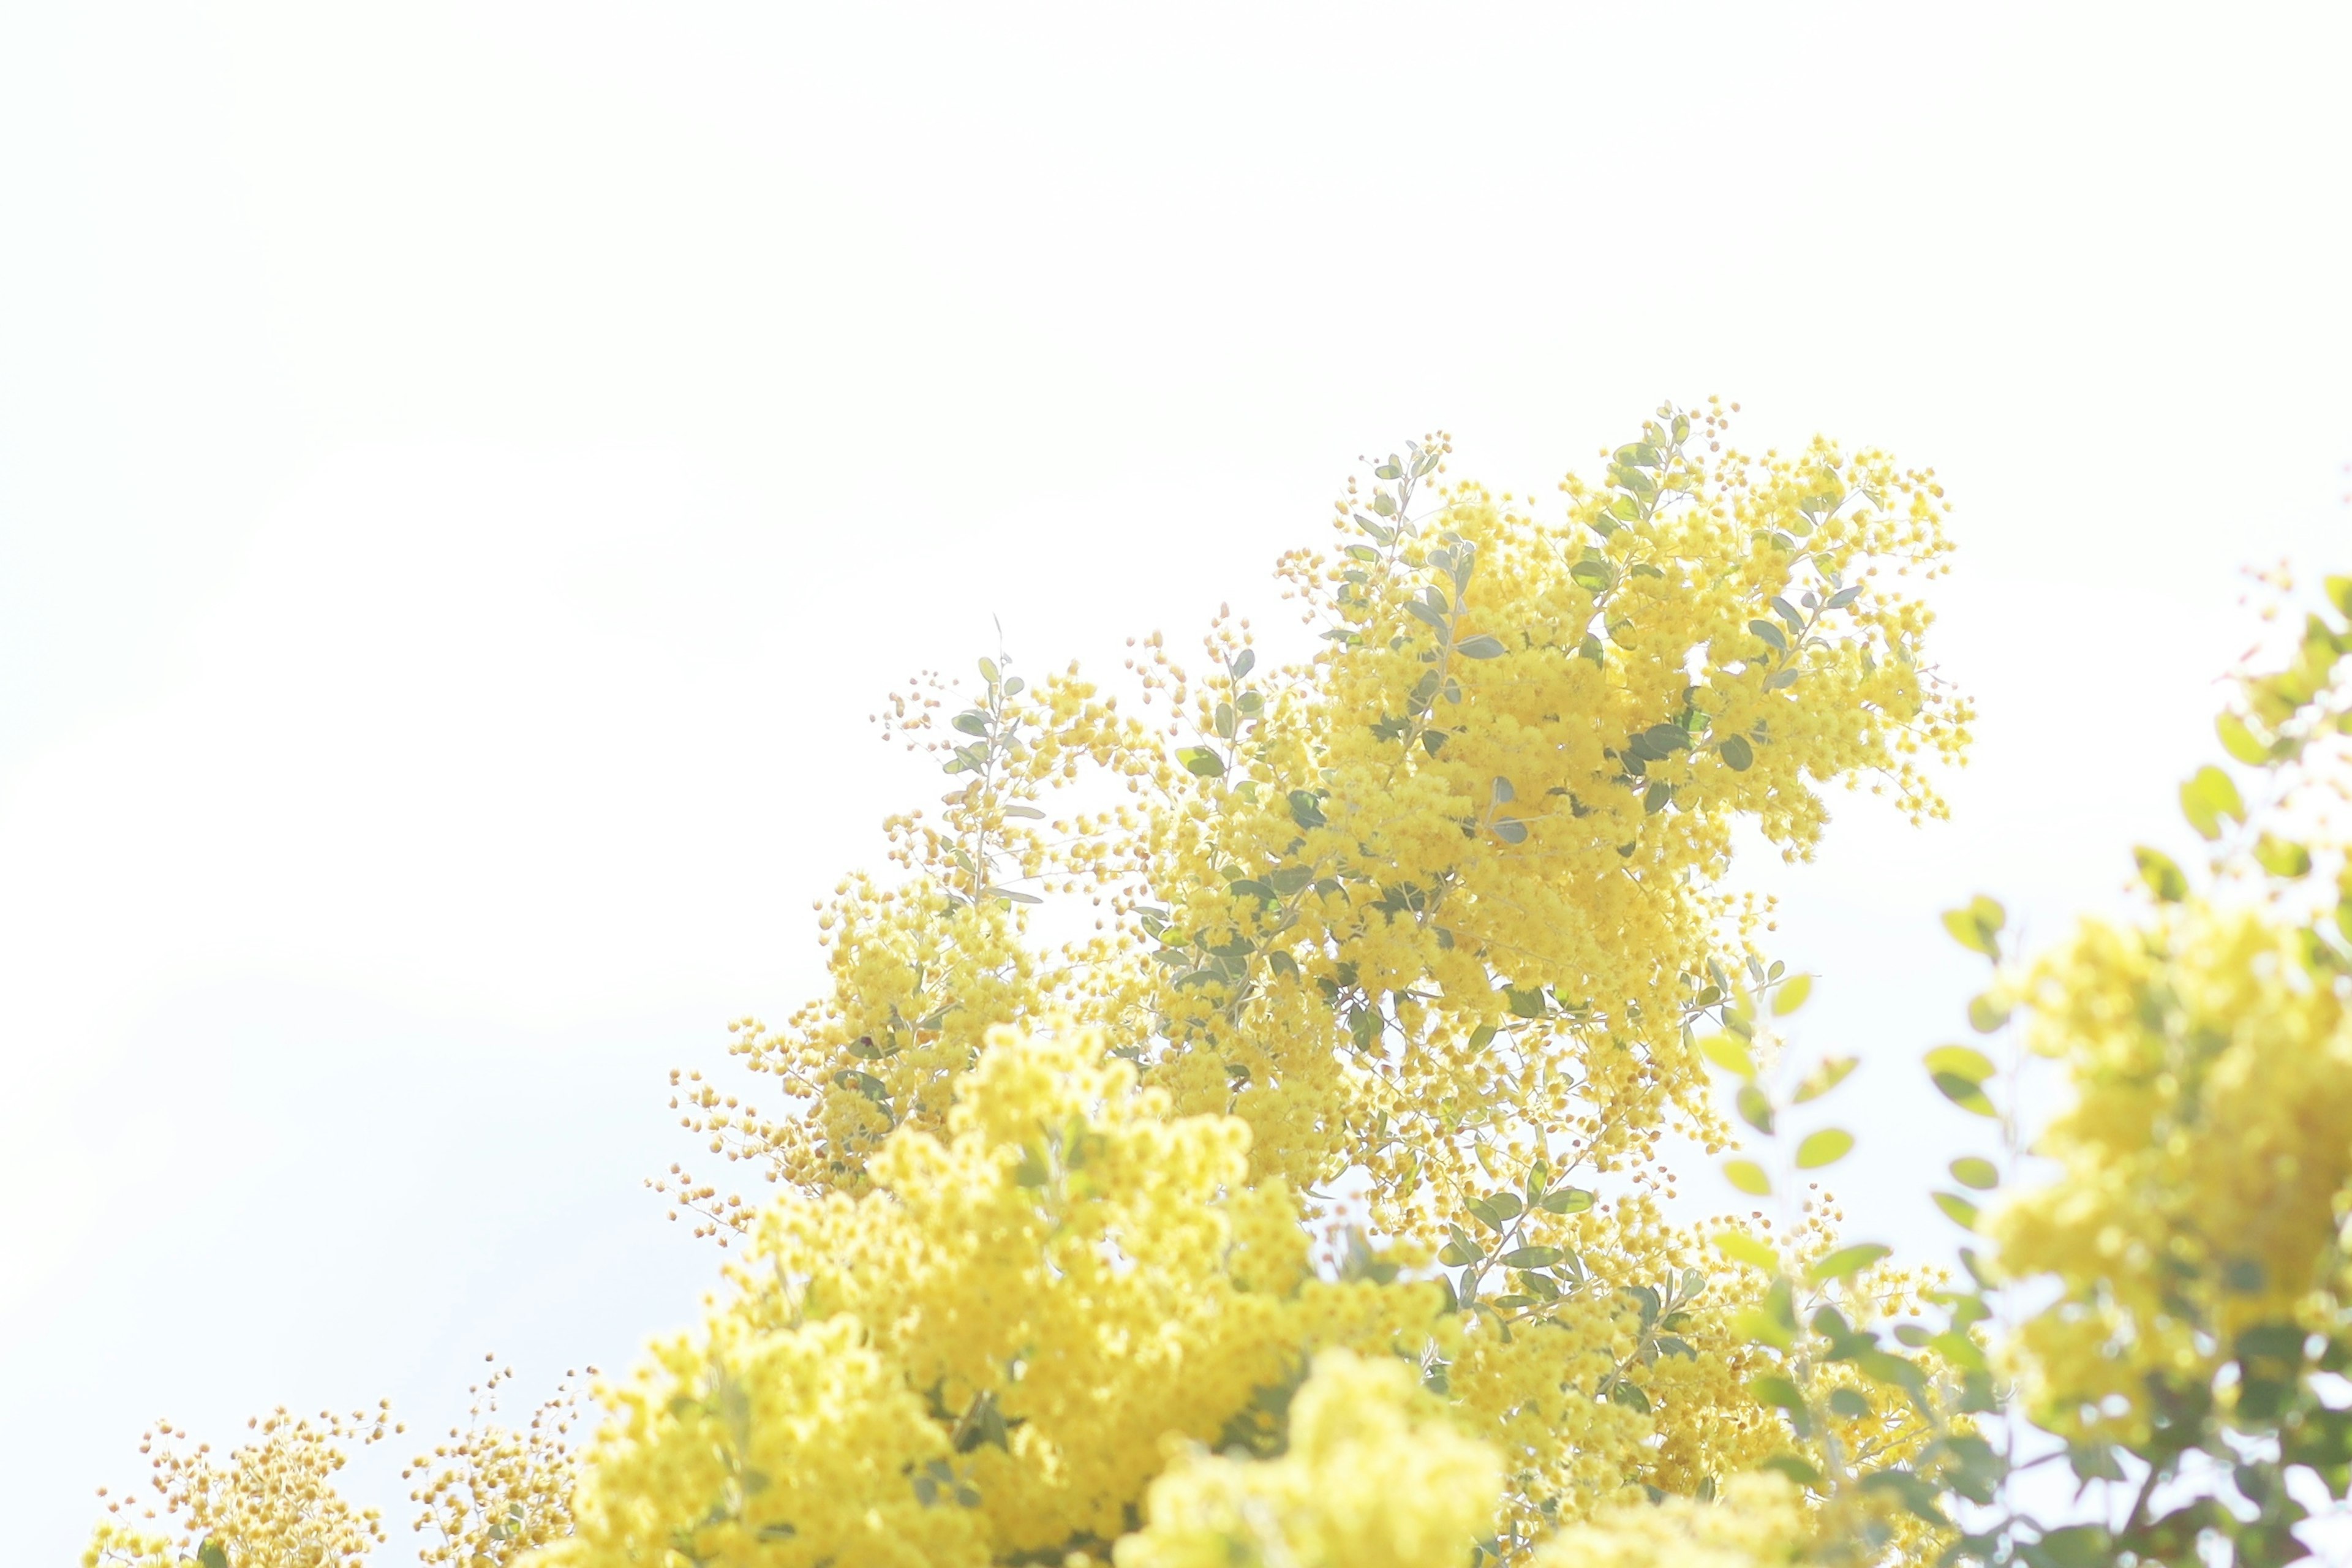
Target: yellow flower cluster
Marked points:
270	1503
1375	1475
2207	1167
491	1493
1437	908
1435	915
980	1354
1758	1521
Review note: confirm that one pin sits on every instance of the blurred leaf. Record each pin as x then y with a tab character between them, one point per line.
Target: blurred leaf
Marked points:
1972	1172
1742	1247
1961	1062
1735	752
2074	1546
1565	1200
1977	926
1987	1013
1755	1108
2282	859
1962	1212
2162	875
1791	995
1728	1054
1967	1095
1826	1147
1748	1177
1530	1258
1484	646
1770	633
1510	830
1798	1470
1832	1072
1201	761
2239	741
1846	1261
2208	797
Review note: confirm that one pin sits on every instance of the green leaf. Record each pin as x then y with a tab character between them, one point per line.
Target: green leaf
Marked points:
1917	1494
1846	1261
1737	754
1987	1013
1967	1096
1959	1072
211	1555
2074	1546
2161	873
1593	577
1978	927
1201	761
1771	632
1728	1054
1772	1388
2208	797
2282	859
1971	1172
1961	1062
1530	1258
1565	1200
1305	809
1755	1108
1962	1212
1742	1247
1826	1147
1791	995
1825	1078
2239	741
1798	1470
1510	830
1748	1177
1483	645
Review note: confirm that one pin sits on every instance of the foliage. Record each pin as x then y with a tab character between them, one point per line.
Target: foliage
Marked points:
1310	1204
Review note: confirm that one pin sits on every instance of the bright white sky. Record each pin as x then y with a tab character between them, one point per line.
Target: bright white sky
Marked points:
466	472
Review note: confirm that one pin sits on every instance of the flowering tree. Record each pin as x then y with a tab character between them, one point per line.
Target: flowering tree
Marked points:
1237	1132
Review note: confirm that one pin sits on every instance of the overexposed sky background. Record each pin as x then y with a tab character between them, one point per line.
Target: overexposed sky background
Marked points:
466	472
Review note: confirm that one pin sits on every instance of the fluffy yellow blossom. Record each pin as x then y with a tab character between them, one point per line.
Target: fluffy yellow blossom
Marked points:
1439	906
2205	1157
983	1352
1756	1522
1375	1475
271	1502
1437	914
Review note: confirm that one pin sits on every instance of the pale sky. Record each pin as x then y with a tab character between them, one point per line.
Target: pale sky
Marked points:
466	474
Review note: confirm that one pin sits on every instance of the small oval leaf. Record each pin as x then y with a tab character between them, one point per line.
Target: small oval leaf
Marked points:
1962	1212
1825	1078
1972	1172
1728	1054
1748	1177
1846	1261
1826	1147
1961	1062
1791	995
